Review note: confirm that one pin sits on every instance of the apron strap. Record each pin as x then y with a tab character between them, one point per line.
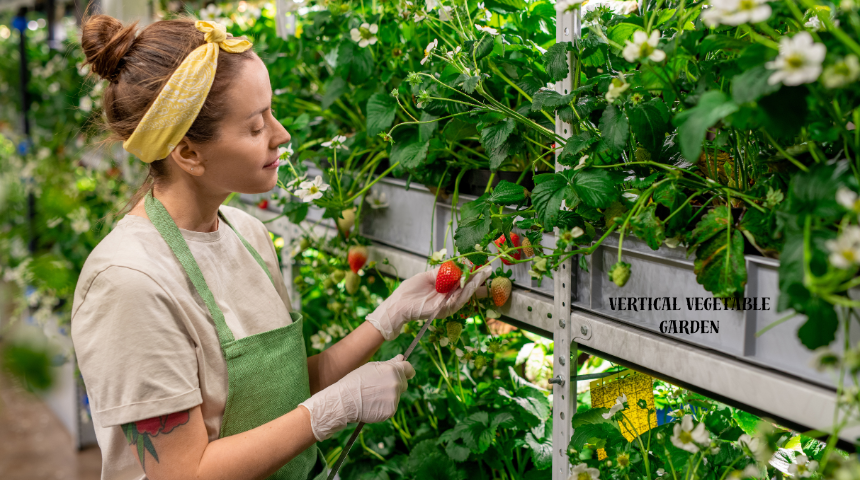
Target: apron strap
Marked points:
165	225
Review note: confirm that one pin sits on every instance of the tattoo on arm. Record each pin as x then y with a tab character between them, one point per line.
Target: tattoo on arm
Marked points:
140	433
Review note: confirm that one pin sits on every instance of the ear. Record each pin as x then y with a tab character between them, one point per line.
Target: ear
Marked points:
187	156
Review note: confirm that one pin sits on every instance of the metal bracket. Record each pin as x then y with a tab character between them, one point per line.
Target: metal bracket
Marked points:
581	331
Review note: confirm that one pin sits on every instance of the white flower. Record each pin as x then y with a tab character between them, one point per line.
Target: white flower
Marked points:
86	104
736	12
377	200
802	467
365	34
285	152
848	199
577	232
799	60
336	142
660	472
582	472
419	16
80	222
616	89
581	163
483	12
686	437
452	53
567	5
479	247
319	340
751	471
443	342
643	47
619	405
310	191
490	30
437	257
211	13
845	250
430	47
814	23
445	14
294	182
431	4
841	73
336	330
673	242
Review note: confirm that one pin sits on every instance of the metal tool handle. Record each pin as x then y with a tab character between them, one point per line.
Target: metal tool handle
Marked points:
354	436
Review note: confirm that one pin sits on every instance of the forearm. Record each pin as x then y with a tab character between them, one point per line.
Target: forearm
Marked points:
260	452
351	352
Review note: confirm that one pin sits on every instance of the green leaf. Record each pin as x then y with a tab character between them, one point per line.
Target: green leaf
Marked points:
296	212
381	109
594	186
747	421
583	433
141	450
622	32
648	227
718	42
555	61
478	435
819	330
505	7
614	129
493	136
719	264
753	84
693	123
507	193
410	153
714	222
147	443
574	145
457	452
591	416
541	451
547	197
649	125
472	232
425	130
548	99
335	88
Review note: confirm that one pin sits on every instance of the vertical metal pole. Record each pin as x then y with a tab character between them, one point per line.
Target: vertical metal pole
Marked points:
564	386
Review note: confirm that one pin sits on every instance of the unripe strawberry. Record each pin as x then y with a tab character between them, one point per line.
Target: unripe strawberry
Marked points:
352	282
337	276
453	328
344	225
515	240
480	362
620	273
500	290
528	251
357	257
448	277
304	243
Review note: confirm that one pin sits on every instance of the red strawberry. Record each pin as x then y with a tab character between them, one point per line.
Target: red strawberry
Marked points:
515	240
357	257
264	204
500	290
448	277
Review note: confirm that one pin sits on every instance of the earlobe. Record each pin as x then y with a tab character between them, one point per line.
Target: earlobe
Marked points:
187	158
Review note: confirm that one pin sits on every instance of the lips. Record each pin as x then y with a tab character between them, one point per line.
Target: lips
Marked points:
273	164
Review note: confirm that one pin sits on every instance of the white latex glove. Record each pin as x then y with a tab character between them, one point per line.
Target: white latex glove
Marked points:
417	299
368	394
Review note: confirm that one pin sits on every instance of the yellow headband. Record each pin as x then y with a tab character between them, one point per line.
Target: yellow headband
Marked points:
177	106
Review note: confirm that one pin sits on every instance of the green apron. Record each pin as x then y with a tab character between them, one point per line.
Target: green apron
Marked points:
267	373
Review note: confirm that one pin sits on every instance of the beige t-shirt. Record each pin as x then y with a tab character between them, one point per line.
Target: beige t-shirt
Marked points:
145	342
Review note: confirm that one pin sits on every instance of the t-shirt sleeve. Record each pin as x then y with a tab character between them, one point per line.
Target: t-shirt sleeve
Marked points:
133	349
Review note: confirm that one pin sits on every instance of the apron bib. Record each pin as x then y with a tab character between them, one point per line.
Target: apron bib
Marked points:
267	373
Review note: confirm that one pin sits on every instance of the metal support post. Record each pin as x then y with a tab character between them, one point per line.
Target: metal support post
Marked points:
564	381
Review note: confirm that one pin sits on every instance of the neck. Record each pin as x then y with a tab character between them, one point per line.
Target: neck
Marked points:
190	205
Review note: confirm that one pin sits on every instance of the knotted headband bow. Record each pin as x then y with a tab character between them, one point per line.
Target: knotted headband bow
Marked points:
179	102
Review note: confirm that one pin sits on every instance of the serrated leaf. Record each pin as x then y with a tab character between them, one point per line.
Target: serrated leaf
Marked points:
614	129
548	99
425	130
493	136
592	416
411	153
457	452
595	187
649	126
504	420
555	61
694	123
541	451
622	32
574	145
547	197
583	433
719	264
507	193
472	232
381	109
714	222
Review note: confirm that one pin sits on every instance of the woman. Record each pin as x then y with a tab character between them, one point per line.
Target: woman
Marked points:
192	358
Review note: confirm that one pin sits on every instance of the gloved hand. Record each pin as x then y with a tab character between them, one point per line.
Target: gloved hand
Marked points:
417	299
368	394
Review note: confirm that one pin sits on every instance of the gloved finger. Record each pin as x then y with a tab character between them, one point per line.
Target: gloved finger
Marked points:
482	292
405	372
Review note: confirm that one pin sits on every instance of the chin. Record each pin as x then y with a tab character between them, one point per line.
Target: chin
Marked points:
263	185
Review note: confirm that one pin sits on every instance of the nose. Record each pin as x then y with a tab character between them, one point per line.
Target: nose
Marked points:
281	136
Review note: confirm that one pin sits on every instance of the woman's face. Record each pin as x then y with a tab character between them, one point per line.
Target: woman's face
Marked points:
244	156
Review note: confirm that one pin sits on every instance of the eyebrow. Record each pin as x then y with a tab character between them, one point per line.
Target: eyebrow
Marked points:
258	112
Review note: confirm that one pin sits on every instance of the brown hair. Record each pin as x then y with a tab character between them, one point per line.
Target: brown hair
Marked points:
138	67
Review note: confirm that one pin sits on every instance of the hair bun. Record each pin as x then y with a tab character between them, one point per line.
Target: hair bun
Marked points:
105	41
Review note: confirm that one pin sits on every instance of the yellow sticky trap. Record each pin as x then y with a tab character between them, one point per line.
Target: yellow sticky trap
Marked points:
637	386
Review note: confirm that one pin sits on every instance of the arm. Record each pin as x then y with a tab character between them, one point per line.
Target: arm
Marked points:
176	446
